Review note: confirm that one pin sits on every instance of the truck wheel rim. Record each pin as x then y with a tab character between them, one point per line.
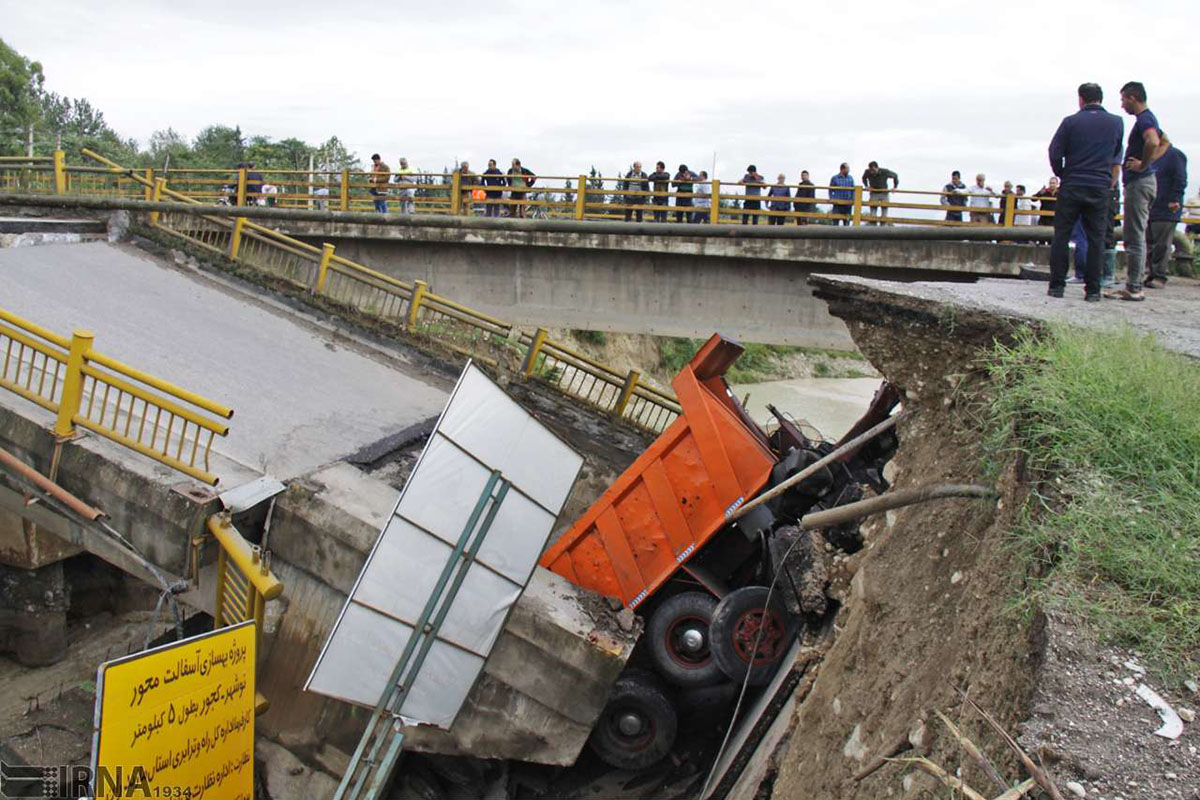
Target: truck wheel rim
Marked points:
746	633
628	717
680	642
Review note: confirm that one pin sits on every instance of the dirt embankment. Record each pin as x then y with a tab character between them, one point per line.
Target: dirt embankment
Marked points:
927	608
931	609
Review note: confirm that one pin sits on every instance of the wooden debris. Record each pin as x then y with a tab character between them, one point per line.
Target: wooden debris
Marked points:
1018	791
898	746
927	766
1037	773
975	753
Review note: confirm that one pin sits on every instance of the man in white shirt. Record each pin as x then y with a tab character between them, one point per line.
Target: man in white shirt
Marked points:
404	175
980	197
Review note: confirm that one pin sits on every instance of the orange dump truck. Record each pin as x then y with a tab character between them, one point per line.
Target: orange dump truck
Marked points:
659	541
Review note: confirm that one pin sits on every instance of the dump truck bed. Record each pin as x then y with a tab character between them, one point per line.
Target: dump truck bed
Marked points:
676	495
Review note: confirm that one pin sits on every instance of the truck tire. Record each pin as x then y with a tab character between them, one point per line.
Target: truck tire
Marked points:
736	624
638	725
678	638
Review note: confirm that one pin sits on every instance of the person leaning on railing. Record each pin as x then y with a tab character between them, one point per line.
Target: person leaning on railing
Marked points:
954	196
635	181
380	175
492	176
467	181
404	177
806	198
841	197
703	199
779	189
520	181
753	183
876	180
660	181
683	192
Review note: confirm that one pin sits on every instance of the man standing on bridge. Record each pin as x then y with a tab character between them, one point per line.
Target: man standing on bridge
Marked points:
954	195
635	181
1165	213
1147	143
842	196
1086	154
381	173
876	179
661	182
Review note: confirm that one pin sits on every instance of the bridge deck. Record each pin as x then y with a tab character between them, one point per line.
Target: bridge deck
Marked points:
303	398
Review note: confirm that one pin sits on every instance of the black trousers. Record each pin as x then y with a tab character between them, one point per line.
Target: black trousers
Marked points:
1089	203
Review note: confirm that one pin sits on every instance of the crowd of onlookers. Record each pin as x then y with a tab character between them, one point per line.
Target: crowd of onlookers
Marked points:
686	196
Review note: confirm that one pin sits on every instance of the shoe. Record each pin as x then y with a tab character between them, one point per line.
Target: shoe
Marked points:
1155	283
1125	294
1092	298
1074	280
1054	292
1107	282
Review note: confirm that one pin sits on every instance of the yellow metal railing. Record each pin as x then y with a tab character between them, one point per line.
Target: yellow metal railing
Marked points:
552	196
90	390
243	585
244	581
413	306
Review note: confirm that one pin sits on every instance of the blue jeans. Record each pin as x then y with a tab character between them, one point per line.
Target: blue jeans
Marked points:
1079	239
380	202
1139	194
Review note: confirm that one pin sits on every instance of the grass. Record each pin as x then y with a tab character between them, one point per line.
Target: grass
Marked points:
1110	426
596	338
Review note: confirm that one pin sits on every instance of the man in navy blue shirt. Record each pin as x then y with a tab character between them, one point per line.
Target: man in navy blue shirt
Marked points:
1165	213
1147	143
1086	154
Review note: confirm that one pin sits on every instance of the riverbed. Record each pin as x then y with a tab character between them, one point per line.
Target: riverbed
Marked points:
831	405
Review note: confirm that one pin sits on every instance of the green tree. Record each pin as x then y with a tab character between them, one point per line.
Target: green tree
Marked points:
21	82
167	147
219	146
332	156
76	124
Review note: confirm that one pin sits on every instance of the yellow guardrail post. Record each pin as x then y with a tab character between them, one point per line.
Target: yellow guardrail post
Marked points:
414	304
72	393
60	173
631	383
714	212
1010	204
456	193
323	268
149	184
857	220
241	190
535	348
156	196
344	190
235	239
581	197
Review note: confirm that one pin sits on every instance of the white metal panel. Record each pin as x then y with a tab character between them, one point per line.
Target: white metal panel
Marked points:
482	429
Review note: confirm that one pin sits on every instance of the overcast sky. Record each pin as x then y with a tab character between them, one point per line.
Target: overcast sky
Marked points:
923	88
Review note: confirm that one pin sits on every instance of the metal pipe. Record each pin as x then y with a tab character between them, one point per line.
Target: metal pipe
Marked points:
887	502
812	469
49	487
912	233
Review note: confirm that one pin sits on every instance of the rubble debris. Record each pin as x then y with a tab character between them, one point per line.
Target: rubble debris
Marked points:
1172	726
802	558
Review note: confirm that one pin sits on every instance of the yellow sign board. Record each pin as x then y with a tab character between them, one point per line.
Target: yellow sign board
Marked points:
178	720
